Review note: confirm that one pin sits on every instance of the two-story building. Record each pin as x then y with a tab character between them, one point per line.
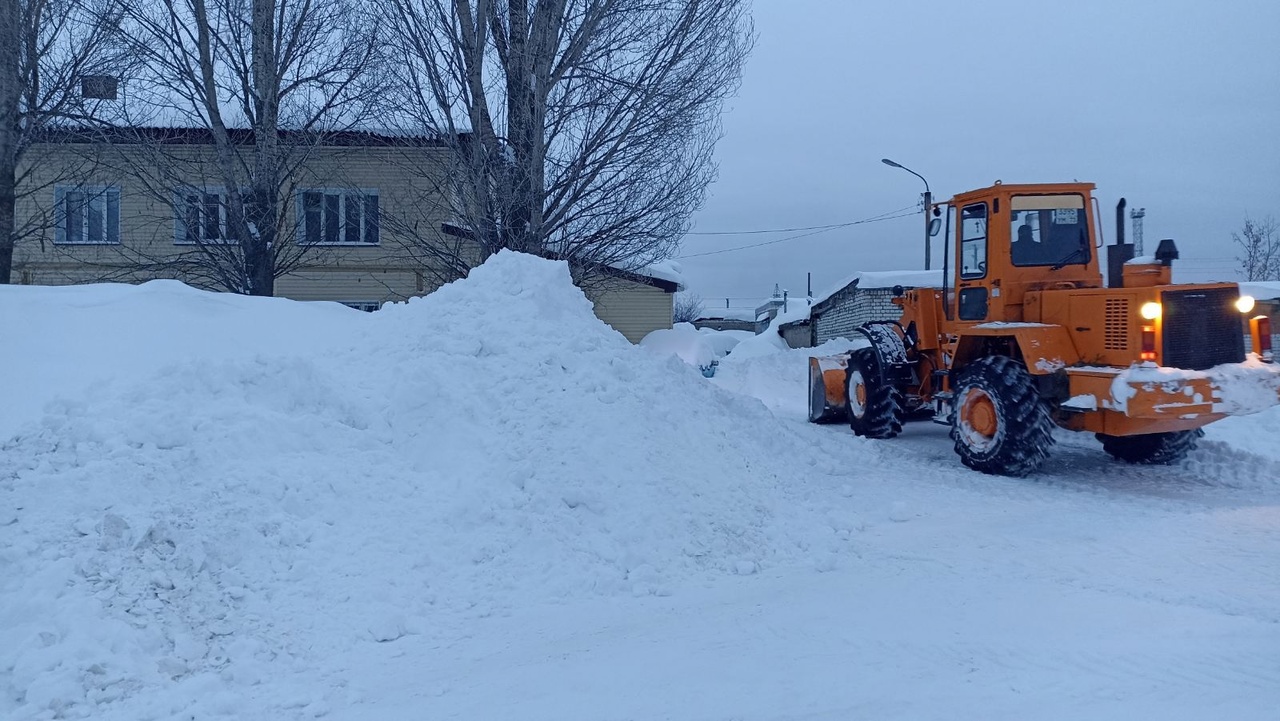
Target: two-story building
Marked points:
362	215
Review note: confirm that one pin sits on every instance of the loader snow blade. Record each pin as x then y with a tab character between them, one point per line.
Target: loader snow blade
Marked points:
1152	399
827	401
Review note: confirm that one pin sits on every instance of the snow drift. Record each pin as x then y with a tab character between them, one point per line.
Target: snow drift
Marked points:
475	504
217	486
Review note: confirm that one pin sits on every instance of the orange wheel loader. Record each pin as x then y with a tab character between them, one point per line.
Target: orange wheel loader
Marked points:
1023	336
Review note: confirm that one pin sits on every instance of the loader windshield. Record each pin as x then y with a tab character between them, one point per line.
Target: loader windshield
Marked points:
1049	230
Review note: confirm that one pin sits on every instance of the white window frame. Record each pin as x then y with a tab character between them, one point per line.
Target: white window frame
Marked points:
180	206
344	196
106	197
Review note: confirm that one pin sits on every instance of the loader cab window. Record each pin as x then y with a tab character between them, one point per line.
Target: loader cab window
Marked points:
973	241
1049	230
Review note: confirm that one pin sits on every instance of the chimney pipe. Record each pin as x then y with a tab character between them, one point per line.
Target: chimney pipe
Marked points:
1120	222
1119	253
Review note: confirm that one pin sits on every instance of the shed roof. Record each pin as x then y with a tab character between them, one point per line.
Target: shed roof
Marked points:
1261	289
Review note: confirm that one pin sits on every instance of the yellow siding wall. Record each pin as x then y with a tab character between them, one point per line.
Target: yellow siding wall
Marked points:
411	205
347	286
633	309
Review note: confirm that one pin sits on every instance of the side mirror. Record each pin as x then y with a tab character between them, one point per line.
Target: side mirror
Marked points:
934	226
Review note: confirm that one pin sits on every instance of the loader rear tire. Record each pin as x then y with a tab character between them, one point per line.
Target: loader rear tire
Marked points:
875	407
1153	449
999	423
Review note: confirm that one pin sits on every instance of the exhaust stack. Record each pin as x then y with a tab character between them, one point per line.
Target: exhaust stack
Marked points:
1120	253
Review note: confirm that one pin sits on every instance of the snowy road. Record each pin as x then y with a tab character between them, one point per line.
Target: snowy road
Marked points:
1093	591
256	509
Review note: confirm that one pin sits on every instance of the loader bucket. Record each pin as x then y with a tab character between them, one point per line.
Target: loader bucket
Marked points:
827	401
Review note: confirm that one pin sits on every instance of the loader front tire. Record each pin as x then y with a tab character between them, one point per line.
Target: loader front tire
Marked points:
1154	449
999	423
875	407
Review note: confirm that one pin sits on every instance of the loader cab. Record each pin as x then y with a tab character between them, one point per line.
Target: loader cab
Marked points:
1010	239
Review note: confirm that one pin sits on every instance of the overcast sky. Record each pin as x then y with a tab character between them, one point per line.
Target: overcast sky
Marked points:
1174	105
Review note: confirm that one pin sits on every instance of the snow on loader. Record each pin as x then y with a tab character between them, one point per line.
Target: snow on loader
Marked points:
1023	336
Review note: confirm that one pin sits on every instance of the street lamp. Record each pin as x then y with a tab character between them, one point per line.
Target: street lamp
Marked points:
928	200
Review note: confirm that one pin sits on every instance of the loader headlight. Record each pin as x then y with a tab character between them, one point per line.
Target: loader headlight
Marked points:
1150	310
1244	304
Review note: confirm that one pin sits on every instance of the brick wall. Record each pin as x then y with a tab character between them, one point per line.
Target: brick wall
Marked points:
850	308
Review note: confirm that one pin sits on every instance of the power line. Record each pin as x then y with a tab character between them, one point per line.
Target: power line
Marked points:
833	226
824	229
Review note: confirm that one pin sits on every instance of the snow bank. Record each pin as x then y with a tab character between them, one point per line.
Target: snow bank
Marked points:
683	341
201	493
724	341
779	379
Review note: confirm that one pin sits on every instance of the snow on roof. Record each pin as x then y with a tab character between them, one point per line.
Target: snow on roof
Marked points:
1261	289
885	279
667	270
870	279
728	314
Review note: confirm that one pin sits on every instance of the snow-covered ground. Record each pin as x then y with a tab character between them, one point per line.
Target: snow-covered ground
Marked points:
485	504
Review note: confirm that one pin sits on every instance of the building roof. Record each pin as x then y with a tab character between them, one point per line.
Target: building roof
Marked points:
1261	289
884	279
878	279
667	270
743	314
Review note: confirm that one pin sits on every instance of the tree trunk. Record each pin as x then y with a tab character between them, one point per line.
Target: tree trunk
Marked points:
10	92
264	193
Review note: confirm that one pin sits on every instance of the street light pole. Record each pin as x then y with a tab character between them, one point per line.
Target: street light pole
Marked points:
928	203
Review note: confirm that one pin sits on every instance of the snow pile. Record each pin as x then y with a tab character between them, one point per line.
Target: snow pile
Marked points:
683	341
780	379
699	347
251	488
724	341
1256	433
1237	388
62	340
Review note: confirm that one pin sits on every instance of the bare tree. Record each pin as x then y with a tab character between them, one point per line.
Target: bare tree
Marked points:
582	129
268	80
1260	249
687	308
48	50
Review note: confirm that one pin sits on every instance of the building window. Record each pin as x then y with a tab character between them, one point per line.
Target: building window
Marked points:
200	216
366	306
87	214
338	217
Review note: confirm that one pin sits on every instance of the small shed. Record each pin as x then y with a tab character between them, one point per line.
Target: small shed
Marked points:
860	298
1266	294
635	302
